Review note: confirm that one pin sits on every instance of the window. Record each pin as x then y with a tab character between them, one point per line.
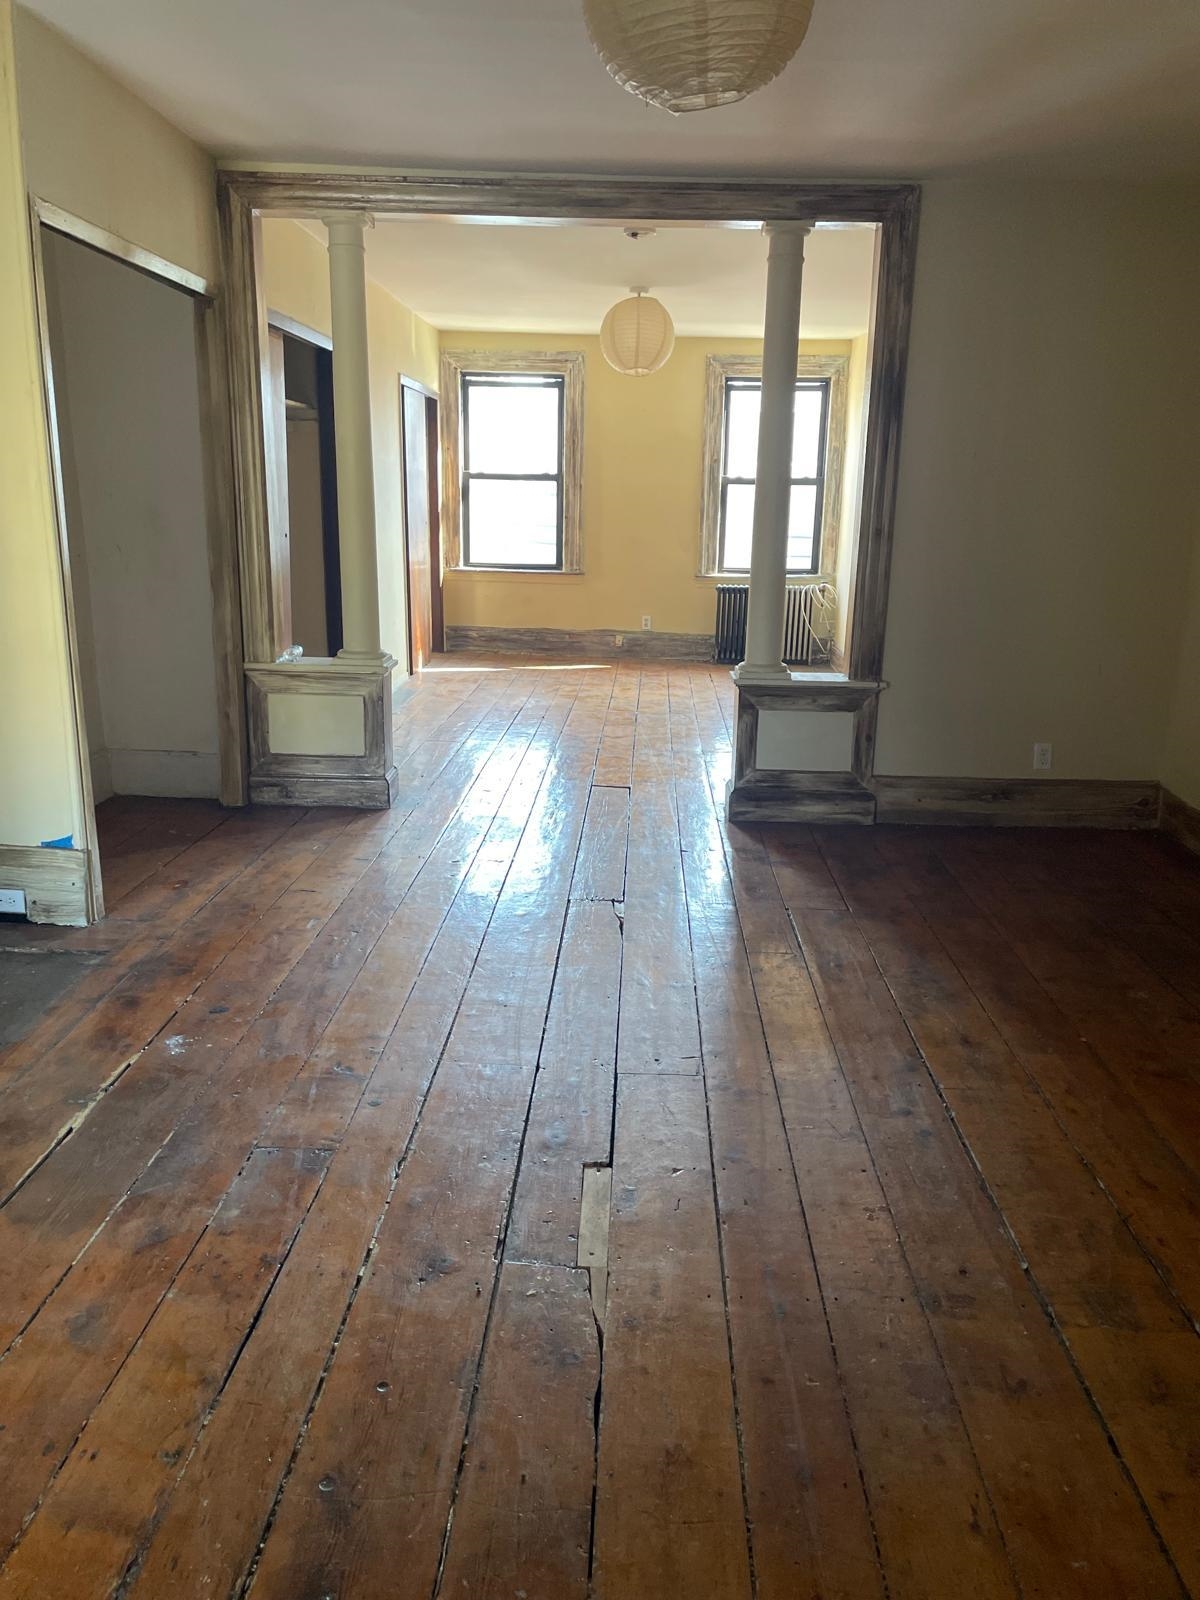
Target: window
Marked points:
733	393
512	473
739	461
512	460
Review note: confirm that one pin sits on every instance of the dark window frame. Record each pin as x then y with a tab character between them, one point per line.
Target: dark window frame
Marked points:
825	385
512	380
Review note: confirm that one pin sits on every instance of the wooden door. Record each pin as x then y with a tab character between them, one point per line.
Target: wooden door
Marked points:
418	411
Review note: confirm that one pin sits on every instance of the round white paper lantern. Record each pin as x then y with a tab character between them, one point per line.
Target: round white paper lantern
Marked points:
637	336
689	55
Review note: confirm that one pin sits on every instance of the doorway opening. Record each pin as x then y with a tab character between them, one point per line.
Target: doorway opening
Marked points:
422	522
303	481
128	419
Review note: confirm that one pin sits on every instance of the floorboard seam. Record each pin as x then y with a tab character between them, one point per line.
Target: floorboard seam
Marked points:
130	1572
935	1343
247	1583
817	1274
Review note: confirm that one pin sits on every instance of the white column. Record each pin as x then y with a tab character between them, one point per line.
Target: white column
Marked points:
352	435
773	486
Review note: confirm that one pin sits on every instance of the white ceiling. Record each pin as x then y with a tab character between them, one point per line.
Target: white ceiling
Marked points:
563	279
880	87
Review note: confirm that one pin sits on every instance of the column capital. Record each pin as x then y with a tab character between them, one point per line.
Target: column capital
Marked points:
799	231
347	227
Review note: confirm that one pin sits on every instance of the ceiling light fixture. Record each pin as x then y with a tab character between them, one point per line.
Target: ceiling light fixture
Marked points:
690	55
637	336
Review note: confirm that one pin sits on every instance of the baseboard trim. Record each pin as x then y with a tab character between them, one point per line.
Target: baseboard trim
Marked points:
1180	821
364	793
1017	802
604	644
54	882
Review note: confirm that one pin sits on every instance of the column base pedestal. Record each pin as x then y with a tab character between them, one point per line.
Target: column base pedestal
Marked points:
321	732
365	794
746	675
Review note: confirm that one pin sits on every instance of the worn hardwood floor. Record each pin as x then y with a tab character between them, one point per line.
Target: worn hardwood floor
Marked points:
902	1274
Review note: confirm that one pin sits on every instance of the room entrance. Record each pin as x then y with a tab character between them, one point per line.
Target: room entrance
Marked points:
128	398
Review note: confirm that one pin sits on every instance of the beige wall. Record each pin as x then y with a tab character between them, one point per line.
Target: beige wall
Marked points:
97	151
1048	486
39	789
296	283
643	455
128	405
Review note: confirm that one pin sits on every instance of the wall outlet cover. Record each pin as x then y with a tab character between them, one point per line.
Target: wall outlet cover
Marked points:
1043	756
645	624
12	903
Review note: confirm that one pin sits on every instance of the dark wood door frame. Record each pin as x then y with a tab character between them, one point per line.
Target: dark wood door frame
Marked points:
422	546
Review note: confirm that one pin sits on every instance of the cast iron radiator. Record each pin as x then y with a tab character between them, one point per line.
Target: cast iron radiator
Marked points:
803	646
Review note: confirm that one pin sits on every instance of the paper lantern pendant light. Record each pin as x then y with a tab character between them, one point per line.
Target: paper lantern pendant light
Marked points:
637	336
689	55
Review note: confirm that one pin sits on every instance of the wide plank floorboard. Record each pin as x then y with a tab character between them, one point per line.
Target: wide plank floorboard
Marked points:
546	1188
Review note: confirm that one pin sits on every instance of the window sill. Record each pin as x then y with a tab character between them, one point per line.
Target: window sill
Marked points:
518	574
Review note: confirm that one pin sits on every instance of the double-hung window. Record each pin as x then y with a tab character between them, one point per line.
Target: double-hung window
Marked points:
739	460
512	469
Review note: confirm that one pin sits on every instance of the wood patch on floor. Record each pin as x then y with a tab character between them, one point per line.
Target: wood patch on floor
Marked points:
548	1186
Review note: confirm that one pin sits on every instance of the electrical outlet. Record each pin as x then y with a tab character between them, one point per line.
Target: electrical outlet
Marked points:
12	902
1043	757
645	624
618	639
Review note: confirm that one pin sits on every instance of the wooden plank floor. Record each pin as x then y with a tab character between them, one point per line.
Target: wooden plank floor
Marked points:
898	1288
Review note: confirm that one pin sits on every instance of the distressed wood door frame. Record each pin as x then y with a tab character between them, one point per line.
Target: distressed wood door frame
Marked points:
211	355
247	194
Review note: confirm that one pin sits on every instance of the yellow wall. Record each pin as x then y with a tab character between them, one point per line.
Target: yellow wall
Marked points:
97	151
1048	487
86	144
39	783
643	451
856	433
296	283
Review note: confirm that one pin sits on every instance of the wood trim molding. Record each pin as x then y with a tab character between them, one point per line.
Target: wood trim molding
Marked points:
810	691
1017	802
246	336
55	883
889	337
607	644
112	244
245	190
551	195
216	443
567	364
716	369
1180	821
367	793
94	897
767	796
299	330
